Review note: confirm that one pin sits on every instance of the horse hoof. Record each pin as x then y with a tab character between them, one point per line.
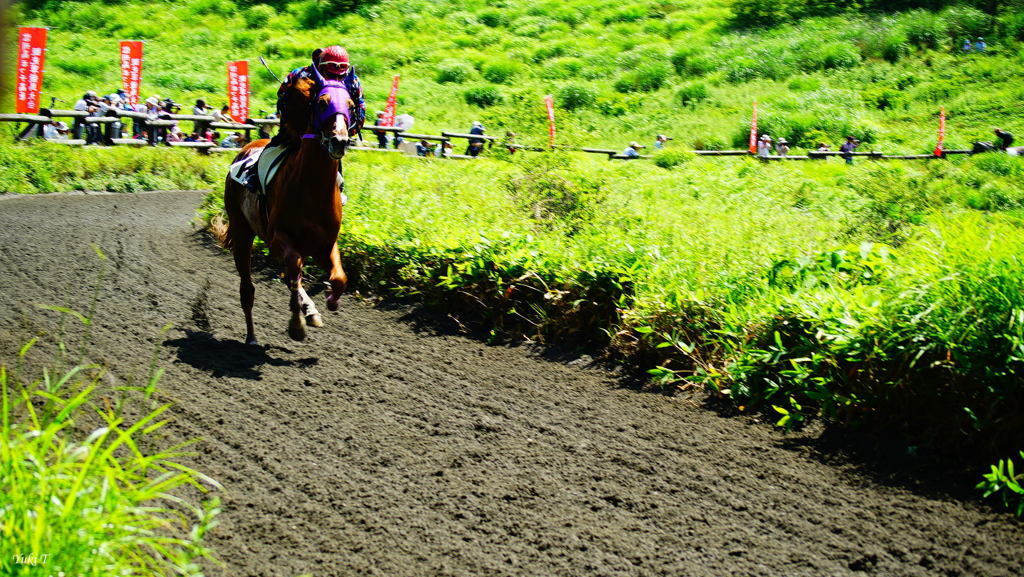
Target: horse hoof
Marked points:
332	303
314	320
297	328
252	342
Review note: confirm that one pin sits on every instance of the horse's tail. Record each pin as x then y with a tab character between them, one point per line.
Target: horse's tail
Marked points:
221	230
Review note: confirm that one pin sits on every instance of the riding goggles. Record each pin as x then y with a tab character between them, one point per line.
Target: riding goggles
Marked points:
337	68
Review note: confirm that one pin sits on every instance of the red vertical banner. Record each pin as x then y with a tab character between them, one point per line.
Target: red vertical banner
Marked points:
31	57
753	131
549	102
389	109
238	89
942	131
131	69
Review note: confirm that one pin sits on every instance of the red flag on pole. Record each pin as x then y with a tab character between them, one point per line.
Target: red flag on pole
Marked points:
942	131
389	109
131	69
238	89
549	101
753	131
31	57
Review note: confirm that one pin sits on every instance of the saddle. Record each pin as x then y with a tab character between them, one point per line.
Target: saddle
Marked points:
257	170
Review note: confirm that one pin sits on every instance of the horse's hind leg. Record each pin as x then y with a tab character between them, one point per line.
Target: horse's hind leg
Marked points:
242	251
331	262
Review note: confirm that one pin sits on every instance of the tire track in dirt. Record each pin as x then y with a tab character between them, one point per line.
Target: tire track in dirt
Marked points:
378	447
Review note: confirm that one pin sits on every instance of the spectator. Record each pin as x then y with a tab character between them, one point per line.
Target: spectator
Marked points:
200	109
382	135
233	140
510	142
223	115
979	45
405	122
782	148
175	134
633	150
55	131
424	148
848	147
822	147
764	146
194	137
966	48
660	140
446	148
89	103
1005	139
476	145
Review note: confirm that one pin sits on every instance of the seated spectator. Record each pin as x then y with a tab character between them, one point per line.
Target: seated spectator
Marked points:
782	147
979	45
822	147
966	48
175	134
633	150
764	146
55	131
232	140
193	137
200	109
1005	138
424	148
661	140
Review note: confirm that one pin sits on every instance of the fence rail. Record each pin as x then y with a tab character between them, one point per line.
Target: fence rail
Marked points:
113	124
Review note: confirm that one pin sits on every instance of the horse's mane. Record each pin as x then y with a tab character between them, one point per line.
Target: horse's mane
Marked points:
295	117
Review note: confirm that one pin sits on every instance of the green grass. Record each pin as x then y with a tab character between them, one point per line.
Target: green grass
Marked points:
93	504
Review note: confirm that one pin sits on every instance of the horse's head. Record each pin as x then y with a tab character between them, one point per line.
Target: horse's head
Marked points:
331	115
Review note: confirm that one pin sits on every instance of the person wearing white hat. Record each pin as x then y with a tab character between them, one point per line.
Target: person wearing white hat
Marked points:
782	147
633	150
764	146
476	145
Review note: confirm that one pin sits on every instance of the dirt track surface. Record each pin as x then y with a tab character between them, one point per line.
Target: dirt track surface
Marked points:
380	447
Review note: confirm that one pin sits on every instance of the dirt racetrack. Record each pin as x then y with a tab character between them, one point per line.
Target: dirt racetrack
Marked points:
383	447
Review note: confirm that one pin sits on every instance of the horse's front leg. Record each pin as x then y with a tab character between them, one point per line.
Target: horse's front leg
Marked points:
331	262
312	315
293	275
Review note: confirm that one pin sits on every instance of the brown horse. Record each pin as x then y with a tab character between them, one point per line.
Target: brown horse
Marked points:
302	216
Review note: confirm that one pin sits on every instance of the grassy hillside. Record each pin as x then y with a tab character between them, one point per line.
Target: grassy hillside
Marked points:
682	67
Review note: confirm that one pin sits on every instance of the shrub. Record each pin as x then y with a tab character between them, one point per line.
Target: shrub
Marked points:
483	96
455	71
692	93
670	157
575	96
646	78
631	13
258	16
492	18
500	72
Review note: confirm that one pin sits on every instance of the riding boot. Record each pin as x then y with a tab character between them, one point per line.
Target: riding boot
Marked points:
341	189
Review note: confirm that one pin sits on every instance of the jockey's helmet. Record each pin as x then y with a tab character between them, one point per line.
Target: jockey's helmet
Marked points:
333	61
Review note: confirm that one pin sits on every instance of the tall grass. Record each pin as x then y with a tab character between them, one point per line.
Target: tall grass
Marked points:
95	504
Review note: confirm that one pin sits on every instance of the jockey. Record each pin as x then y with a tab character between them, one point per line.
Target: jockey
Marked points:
333	64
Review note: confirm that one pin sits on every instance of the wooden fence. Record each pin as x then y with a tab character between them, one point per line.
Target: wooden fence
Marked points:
112	128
